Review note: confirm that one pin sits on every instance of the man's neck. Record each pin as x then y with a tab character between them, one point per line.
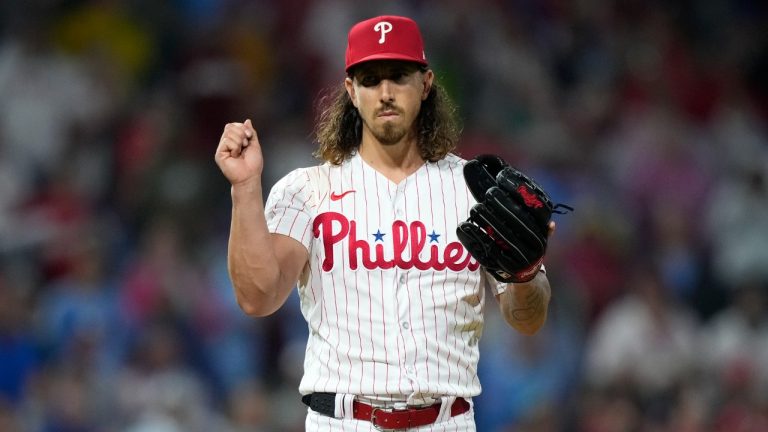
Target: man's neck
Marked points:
395	161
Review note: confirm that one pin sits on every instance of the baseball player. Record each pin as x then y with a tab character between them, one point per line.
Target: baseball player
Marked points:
393	243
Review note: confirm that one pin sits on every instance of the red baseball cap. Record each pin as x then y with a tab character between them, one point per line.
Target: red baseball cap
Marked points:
386	37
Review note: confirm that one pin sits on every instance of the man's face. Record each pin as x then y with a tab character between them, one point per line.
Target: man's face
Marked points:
388	96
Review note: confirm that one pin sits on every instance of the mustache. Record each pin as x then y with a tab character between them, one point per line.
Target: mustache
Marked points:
389	107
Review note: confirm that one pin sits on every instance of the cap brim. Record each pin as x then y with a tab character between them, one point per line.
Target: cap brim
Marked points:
387	56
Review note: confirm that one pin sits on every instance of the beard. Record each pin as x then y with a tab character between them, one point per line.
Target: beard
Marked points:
388	133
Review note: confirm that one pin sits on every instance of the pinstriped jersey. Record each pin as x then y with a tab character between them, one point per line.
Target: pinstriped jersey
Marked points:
393	301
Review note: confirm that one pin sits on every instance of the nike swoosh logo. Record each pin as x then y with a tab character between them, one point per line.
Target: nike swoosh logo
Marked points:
336	197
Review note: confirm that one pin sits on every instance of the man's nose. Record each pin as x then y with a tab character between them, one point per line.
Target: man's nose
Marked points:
387	93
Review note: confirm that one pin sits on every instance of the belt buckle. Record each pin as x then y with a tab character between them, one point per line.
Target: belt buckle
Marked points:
382	428
373	419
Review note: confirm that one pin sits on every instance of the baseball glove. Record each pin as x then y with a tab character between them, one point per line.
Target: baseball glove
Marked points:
507	229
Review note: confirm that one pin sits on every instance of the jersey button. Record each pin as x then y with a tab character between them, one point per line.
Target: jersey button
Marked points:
406	325
402	279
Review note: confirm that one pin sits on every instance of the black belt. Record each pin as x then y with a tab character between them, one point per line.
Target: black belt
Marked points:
384	418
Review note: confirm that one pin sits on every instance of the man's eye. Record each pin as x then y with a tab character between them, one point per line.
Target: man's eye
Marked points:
370	81
398	76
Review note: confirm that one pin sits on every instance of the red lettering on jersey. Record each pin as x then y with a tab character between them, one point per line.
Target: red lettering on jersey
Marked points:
356	245
333	228
400	242
325	221
359	245
418	239
455	258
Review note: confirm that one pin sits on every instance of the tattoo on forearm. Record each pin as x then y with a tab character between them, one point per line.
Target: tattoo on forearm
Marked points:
532	308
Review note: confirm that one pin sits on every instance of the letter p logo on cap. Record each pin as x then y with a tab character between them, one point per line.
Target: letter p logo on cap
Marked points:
384	27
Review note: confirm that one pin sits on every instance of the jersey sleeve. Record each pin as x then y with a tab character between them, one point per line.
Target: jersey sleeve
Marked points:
290	207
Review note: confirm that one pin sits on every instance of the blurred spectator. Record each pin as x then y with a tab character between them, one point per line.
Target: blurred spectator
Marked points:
608	410
142	142
160	280
158	390
248	408
79	321
645	339
738	222
18	349
657	162
595	259
70	400
677	252
46	94
736	354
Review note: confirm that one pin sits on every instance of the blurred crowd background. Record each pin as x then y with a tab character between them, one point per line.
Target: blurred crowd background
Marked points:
648	117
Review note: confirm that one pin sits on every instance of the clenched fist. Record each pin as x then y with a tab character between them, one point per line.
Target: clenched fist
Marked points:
239	153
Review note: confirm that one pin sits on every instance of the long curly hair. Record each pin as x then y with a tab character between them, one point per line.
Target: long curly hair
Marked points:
339	128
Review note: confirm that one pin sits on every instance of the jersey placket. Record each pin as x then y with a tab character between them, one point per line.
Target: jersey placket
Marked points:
407	355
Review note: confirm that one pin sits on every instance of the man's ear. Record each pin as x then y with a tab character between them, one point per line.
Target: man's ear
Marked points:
429	77
350	86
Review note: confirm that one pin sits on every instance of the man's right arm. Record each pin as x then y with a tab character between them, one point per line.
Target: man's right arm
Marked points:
263	267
